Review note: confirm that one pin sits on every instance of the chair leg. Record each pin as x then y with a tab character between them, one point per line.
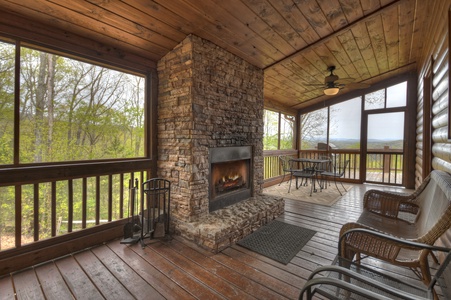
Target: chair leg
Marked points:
425	271
282	179
424	267
335	181
302	182
343	186
319	182
325	182
311	185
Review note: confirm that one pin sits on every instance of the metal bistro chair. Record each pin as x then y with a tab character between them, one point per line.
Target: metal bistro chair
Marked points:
288	168
338	171
347	280
285	165
306	172
321	168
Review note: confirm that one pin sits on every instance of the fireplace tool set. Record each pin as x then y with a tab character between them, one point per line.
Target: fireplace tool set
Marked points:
153	219
133	227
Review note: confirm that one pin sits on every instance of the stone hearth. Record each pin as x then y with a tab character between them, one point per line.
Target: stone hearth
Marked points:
224	227
210	98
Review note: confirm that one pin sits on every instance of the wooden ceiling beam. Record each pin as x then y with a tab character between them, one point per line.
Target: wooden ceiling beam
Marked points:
337	33
59	40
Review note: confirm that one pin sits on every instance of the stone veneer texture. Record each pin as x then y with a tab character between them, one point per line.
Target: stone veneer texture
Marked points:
208	98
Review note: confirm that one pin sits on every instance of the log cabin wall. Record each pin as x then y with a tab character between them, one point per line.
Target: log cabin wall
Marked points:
433	146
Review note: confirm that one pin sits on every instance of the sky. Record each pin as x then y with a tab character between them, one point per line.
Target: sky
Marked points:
345	118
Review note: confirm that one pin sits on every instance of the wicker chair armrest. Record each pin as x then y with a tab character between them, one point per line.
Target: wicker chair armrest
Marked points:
377	243
438	229
389	203
354	240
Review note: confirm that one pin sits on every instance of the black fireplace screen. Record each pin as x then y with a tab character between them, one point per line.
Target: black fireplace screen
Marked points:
230	175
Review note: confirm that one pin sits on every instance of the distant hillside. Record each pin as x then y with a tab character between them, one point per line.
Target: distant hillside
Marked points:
355	144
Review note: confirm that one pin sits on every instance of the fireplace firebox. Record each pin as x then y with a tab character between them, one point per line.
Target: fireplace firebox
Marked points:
230	176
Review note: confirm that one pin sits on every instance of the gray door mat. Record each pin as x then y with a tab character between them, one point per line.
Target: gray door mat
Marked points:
277	240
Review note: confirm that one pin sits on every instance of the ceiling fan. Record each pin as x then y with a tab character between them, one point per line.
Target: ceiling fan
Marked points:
333	84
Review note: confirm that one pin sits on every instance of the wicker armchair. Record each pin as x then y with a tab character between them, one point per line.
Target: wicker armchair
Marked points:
422	217
346	280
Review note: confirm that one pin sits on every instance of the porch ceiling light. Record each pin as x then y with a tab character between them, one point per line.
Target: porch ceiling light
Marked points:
330	91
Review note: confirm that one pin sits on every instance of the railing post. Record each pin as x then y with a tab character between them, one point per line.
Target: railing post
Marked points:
386	160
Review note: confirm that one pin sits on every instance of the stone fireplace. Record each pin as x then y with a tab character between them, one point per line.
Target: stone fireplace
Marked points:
210	105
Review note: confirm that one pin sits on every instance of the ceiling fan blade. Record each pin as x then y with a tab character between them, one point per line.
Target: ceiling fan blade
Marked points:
315	84
345	80
358	85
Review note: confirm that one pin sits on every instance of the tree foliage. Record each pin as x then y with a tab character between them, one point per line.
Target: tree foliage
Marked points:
272	135
69	111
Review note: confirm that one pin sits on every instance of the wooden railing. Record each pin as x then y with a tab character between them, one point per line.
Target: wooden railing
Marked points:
55	200
353	170
272	167
382	166
385	166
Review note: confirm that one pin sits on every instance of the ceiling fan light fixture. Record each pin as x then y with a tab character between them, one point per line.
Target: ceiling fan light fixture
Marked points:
331	91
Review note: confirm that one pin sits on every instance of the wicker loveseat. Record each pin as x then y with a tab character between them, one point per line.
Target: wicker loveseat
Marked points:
422	216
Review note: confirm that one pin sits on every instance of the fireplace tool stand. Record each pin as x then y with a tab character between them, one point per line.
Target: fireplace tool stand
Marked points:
155	207
133	227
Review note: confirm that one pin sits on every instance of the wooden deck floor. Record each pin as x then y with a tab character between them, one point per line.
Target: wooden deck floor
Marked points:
180	270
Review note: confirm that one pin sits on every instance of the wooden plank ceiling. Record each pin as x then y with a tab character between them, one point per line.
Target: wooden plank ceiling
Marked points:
294	41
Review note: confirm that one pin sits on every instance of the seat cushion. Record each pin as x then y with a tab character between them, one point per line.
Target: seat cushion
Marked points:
396	227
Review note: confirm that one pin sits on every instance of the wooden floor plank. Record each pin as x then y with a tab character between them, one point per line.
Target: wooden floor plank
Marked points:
177	274
6	288
161	282
135	284
27	285
222	287
275	269
297	269
233	276
106	283
246	265
52	282
76	279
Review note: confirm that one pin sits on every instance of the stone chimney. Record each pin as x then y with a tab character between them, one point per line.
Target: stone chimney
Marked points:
208	98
